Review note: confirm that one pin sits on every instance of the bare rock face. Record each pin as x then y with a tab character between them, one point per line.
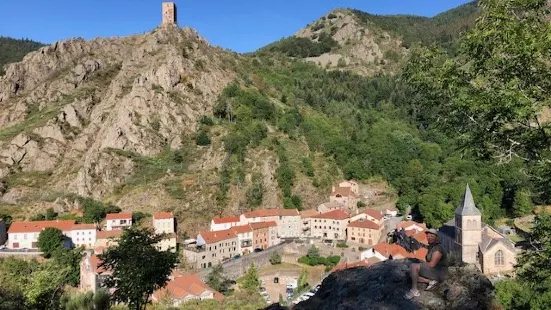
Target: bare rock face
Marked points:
383	286
65	106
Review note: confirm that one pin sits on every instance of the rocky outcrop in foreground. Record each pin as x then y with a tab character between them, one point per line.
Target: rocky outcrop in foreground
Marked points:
383	286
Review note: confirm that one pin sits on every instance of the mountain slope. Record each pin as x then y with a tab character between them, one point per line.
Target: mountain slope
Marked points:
13	50
372	44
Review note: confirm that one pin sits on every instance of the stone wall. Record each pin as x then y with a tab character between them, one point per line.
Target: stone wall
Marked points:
236	268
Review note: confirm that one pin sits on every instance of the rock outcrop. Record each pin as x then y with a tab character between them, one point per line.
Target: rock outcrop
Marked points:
383	286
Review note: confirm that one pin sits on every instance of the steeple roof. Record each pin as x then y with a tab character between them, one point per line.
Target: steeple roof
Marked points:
467	206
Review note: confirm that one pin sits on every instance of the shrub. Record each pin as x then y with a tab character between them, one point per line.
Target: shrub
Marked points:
202	138
275	259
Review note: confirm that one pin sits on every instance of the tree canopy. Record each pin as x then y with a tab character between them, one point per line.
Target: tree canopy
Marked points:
137	267
50	240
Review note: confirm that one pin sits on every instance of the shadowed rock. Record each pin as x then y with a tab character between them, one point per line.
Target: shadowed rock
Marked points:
383	286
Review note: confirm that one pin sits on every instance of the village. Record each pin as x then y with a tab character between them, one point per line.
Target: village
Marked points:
342	227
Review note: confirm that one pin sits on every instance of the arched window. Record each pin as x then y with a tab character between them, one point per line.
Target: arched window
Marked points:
469	224
499	260
474	225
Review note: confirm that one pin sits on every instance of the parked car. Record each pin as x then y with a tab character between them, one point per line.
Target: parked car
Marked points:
258	250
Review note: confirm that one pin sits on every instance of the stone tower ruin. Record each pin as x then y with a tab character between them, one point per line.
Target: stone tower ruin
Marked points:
169	13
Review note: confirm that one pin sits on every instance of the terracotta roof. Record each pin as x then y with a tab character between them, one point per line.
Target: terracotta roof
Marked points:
119	216
104	234
241	229
83	226
38	226
288	212
162	215
346	265
343	191
365	224
373	213
397	251
183	285
338	214
260	225
216	236
406	224
94	263
271	212
332	205
224	220
419	236
308	213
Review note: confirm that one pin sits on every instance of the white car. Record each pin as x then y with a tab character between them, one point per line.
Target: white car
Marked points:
309	294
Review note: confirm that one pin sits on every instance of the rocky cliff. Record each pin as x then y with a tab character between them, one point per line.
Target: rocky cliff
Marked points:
116	119
383	286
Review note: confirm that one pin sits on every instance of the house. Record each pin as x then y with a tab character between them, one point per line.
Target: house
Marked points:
364	232
330	225
288	220
265	234
390	211
163	222
394	251
107	238
3	232
24	235
476	243
353	185
371	215
91	275
118	220
212	248
345	196
223	223
305	219
183	288
83	235
245	237
372	254
411	225
330	206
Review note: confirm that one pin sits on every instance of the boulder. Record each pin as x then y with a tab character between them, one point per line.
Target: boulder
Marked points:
383	286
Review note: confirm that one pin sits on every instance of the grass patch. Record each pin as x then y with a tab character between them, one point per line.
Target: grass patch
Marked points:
150	169
35	179
175	189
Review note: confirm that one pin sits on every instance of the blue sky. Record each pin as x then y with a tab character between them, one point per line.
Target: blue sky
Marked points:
239	25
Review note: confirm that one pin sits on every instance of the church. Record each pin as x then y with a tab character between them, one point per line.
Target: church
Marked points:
474	242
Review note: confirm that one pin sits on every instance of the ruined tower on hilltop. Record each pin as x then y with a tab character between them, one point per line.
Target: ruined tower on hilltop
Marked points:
169	13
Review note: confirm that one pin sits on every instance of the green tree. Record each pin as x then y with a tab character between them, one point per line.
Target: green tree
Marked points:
250	280
134	283
313	252
69	258
275	258
493	93
255	193
303	278
218	281
50	214
522	204
50	240
44	289
202	138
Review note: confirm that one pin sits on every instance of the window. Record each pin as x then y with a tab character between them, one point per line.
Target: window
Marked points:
499	261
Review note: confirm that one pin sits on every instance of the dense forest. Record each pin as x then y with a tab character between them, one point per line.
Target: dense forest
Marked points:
13	50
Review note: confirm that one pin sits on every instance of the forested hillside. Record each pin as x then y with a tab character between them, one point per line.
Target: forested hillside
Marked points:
13	50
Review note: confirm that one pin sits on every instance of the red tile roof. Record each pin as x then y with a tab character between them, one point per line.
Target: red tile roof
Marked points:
224	220
162	215
271	212
405	224
346	265
183	285
38	226
374	213
83	226
419	236
105	234
343	191
365	224
397	251
337	214
308	213
216	236
241	229
119	216
260	225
